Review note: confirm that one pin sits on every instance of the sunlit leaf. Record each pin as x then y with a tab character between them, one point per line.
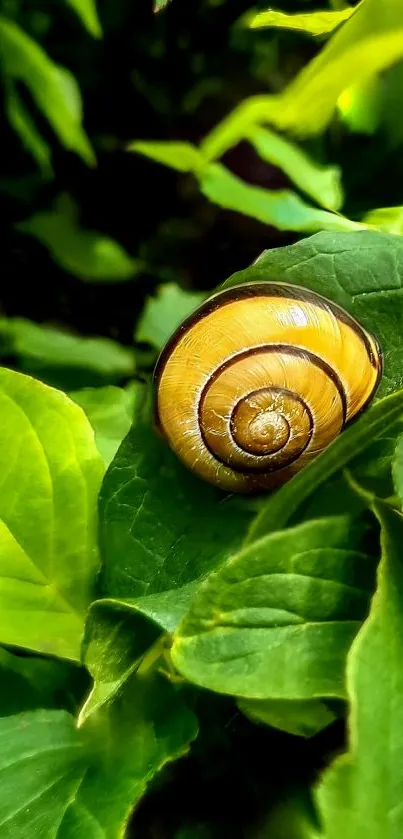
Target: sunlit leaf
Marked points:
181	156
84	253
320	182
360	106
282	209
110	411
389	219
87	12
313	23
50	476
53	88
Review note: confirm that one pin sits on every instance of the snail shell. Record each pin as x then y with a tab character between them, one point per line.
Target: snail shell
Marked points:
259	380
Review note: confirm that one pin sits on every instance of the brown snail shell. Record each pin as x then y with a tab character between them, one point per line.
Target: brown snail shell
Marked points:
259	380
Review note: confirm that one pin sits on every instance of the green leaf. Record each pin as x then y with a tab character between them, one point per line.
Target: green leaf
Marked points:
277	619
152	514
165	312
388	219
160	4
361	792
181	156
40	347
84	253
48	557
313	23
361	271
360	107
281	208
110	411
118	634
302	717
369	42
23	125
397	469
73	783
87	12
53	88
29	682
320	182
282	505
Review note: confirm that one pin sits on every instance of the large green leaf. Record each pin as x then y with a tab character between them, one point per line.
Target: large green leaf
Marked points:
302	717
361	271
282	505
160	526
276	620
119	634
313	23
361	793
69	783
110	411
87	12
53	88
282	209
50	476
162	314
84	253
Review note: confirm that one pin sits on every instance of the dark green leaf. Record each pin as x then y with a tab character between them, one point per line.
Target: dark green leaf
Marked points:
58	780
119	633
277	619
302	717
361	792
161	527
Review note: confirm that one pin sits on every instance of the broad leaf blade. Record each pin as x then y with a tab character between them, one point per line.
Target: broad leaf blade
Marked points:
277	620
119	633
152	514
48	559
68	782
361	792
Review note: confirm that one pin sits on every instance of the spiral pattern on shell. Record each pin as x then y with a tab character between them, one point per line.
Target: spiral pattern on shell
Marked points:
259	380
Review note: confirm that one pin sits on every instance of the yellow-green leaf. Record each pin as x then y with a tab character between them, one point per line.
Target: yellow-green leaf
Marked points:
181	156
87	12
313	23
281	208
388	219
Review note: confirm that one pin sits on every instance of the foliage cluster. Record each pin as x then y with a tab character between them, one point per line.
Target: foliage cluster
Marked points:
175	662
